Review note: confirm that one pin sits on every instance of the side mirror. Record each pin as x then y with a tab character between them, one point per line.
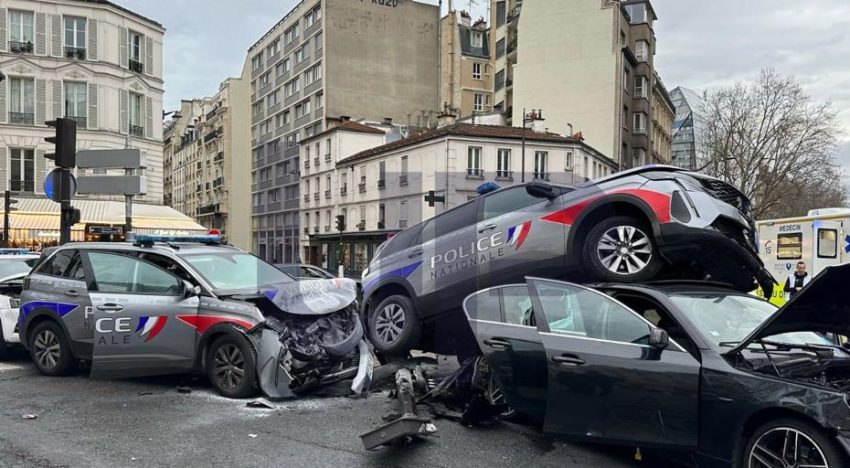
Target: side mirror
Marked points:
190	290
658	338
541	190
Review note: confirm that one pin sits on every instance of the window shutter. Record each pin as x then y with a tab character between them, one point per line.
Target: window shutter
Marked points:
92	98
3	32
56	35
148	56
40	34
124	123
92	39
40	171
3	114
4	178
57	98
40	102
122	49
148	117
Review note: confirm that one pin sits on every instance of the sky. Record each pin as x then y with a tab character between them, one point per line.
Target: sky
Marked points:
701	44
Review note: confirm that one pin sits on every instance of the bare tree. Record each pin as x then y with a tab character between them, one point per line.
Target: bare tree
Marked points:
772	142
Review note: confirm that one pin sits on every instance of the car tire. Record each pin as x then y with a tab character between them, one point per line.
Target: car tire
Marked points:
50	351
603	260
394	326
232	367
769	440
4	348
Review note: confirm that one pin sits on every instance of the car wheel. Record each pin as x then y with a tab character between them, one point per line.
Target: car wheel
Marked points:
621	248
50	350
394	327
493	394
789	442
232	367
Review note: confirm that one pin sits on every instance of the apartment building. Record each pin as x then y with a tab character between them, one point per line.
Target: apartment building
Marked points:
207	161
382	190
663	111
589	64
466	85
92	61
327	59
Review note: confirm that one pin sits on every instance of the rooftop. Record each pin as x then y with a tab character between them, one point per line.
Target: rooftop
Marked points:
122	9
350	126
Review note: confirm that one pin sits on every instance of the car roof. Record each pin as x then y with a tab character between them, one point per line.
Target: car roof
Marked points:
673	286
20	256
170	248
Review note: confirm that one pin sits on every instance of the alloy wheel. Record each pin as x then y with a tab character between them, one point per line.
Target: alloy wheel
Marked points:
390	323
785	447
47	349
624	250
229	366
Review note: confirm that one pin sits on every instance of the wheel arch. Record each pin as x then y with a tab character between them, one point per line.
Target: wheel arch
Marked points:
385	290
610	205
215	332
38	316
764	415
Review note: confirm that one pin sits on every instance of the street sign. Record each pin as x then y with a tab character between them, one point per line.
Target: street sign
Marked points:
112	185
53	183
432	198
129	158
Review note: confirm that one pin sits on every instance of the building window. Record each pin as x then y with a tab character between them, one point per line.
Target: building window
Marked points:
291	34
302	109
75	102
317	41
473	161
265	79
640	87
382	213
637	13
500	79
404	165
626	81
313	17
476	71
639	156
273	49
22	99
501	13
500	48
272	99
503	161
257	61
21	29
625	117
292	87
22	176
134	44
75	34
320	100
640	123
480	102
642	51
541	164
299	55
477	39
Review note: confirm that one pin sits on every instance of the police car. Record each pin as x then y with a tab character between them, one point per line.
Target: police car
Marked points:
15	264
160	305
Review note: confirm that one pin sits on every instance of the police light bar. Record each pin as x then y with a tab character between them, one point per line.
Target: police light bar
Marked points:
152	239
15	251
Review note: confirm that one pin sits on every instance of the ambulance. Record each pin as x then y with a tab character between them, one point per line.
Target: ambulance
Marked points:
820	239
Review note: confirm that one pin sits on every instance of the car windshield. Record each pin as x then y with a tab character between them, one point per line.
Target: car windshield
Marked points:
729	318
10	267
235	271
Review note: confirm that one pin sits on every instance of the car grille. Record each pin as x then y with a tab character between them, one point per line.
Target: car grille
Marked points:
743	236
727	193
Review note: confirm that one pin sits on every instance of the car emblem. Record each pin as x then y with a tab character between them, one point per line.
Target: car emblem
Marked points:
149	327
517	234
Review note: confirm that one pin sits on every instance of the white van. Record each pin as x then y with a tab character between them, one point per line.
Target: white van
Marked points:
818	239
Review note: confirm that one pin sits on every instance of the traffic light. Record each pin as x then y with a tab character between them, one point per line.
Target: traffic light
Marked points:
340	223
70	216
9	201
8	204
65	141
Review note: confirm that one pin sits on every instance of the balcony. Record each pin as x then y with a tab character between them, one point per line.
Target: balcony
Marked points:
219	157
382	184
505	175
21	118
327	194
136	66
327	157
306	164
307	198
316	230
474	174
212	135
212	113
78	53
137	131
541	175
362	187
402	224
16	47
343	191
316	196
512	48
316	161
402	180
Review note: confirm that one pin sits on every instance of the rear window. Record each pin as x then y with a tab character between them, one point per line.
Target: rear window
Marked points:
789	246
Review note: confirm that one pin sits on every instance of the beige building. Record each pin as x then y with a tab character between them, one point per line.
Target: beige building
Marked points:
324	60
588	64
381	189
94	62
663	112
207	162
466	86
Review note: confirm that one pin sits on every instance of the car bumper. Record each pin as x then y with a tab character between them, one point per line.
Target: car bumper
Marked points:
714	254
9	321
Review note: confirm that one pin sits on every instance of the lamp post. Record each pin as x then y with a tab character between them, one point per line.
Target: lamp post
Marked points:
525	121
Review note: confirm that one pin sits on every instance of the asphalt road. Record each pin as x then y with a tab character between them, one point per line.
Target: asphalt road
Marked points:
146	422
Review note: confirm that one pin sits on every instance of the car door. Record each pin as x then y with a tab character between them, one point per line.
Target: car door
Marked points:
137	309
605	381
520	243
502	321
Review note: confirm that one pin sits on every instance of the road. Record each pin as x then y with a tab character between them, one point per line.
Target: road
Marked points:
147	422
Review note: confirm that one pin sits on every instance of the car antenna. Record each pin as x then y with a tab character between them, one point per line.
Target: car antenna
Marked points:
770	359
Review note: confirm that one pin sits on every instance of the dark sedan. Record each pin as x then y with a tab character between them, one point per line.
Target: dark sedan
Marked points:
694	367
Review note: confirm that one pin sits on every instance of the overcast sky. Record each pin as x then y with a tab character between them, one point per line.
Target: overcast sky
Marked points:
701	44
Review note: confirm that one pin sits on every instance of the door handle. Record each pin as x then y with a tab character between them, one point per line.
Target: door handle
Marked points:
72	293
568	360
110	308
486	228
498	343
415	253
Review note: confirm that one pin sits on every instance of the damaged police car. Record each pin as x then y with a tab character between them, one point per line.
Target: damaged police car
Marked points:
173	305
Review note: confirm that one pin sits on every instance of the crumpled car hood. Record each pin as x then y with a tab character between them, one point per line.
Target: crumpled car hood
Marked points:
312	297
822	306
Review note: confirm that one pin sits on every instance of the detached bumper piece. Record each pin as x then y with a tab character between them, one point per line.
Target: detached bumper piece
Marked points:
408	424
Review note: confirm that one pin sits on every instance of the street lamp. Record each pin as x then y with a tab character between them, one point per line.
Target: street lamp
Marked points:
525	120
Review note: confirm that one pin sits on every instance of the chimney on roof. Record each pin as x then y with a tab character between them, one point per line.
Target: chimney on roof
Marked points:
446	119
344	118
535	121
388	121
465	18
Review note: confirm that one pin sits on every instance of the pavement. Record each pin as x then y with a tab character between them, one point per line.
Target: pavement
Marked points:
147	422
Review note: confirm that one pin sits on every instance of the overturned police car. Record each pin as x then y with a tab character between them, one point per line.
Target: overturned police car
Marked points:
174	305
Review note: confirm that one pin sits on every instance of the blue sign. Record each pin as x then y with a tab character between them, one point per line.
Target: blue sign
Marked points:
53	181
847	244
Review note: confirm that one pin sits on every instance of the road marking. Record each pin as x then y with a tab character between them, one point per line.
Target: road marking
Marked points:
10	367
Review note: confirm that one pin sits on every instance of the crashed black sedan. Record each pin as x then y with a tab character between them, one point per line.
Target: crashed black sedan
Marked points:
694	367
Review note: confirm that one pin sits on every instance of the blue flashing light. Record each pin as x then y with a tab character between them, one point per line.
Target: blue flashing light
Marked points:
151	239
15	251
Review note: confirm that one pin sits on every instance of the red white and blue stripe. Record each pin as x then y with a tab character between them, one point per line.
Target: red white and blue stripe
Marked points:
149	327
518	234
